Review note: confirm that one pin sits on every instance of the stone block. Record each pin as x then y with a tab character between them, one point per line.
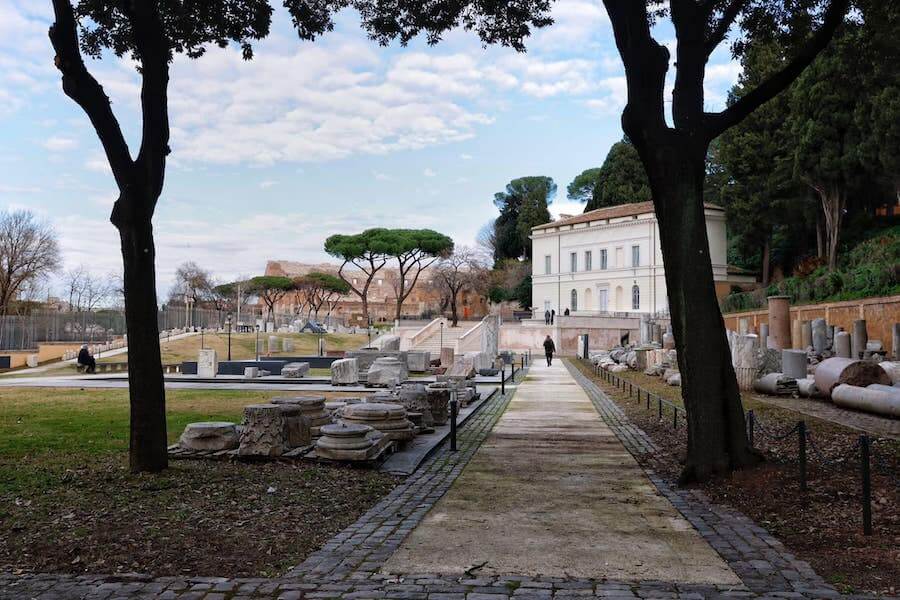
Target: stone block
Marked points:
209	436
385	371
31	360
262	431
447	357
295	370
345	371
207	363
350	442
390	343
251	372
463	366
287	344
417	361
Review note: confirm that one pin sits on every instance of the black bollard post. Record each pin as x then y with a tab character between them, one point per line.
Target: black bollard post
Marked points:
866	484
454	410
801	432
659	413
751	426
503	378
675	417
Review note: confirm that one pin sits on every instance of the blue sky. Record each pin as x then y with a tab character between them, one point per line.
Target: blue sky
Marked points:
309	139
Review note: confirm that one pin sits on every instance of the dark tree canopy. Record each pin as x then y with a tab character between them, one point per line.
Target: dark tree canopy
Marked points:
505	23
523	205
621	180
581	189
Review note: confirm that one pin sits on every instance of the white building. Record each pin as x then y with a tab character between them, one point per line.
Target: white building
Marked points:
610	260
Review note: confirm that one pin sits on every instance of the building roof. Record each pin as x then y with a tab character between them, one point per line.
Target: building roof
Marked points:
610	212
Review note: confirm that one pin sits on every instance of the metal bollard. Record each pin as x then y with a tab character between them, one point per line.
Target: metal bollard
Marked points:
503	378
801	432
866	483
648	400
751	426
659	407
675	417
454	411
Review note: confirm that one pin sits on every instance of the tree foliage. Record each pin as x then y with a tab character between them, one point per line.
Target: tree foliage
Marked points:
460	271
581	189
523	205
621	180
270	289
317	289
414	250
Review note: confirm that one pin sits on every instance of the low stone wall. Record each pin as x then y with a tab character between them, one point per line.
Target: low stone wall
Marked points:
880	315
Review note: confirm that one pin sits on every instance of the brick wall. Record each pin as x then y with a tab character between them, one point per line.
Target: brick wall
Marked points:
880	315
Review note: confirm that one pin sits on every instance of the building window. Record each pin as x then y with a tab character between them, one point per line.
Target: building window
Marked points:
574	302
635	256
587	260
603	259
635	298
573	257
547	266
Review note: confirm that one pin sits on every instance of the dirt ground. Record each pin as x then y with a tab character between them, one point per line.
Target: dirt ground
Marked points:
822	525
199	518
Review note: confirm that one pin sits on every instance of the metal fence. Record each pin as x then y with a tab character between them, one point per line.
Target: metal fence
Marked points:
25	332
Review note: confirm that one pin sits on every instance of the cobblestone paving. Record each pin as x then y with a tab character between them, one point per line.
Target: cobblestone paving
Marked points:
347	567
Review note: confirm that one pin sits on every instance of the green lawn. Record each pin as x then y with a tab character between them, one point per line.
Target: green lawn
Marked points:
44	430
243	345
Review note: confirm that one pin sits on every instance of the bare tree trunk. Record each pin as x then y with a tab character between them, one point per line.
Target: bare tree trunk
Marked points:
454	316
833	209
766	260
717	439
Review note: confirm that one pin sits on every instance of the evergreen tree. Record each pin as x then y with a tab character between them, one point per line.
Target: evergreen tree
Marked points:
621	180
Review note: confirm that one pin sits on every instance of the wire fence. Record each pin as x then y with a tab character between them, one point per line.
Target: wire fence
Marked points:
23	332
866	452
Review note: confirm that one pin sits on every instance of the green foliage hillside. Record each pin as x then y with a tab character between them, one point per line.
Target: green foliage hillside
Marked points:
869	269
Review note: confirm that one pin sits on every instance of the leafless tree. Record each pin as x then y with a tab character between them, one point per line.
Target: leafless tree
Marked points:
29	252
191	281
486	241
87	291
461	270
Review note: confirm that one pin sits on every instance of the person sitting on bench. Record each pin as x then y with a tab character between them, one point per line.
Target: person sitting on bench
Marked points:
86	360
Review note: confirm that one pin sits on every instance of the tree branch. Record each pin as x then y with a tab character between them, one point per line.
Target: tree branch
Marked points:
79	85
716	123
729	14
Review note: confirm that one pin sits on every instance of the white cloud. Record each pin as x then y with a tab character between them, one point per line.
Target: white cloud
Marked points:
19	189
381	176
429	172
465	156
613	101
268	183
60	144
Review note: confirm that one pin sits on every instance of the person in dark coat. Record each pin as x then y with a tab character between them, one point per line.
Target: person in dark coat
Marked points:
549	349
86	360
546	317
552	316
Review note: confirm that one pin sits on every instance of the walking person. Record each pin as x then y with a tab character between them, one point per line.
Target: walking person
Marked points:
546	317
549	349
552	316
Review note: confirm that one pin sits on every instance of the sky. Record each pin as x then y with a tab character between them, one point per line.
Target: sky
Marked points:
271	156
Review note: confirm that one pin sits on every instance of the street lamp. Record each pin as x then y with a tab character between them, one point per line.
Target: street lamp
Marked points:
257	342
228	326
369	332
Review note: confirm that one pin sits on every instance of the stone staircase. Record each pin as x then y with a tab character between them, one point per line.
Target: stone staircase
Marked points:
432	343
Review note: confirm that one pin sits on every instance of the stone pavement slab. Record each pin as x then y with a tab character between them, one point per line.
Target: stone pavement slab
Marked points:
553	492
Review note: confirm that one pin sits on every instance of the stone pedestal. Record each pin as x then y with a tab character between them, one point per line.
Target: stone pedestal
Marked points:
388	419
391	342
819	335
251	372
418	362
350	442
296	430
447	357
895	341
793	363
262	431
842	344
438	397
345	371
490	336
312	409
415	399
295	370
745	360
287	344
209	436
385	371
668	341
860	339
463	366
274	344
779	322
207	363
805	335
